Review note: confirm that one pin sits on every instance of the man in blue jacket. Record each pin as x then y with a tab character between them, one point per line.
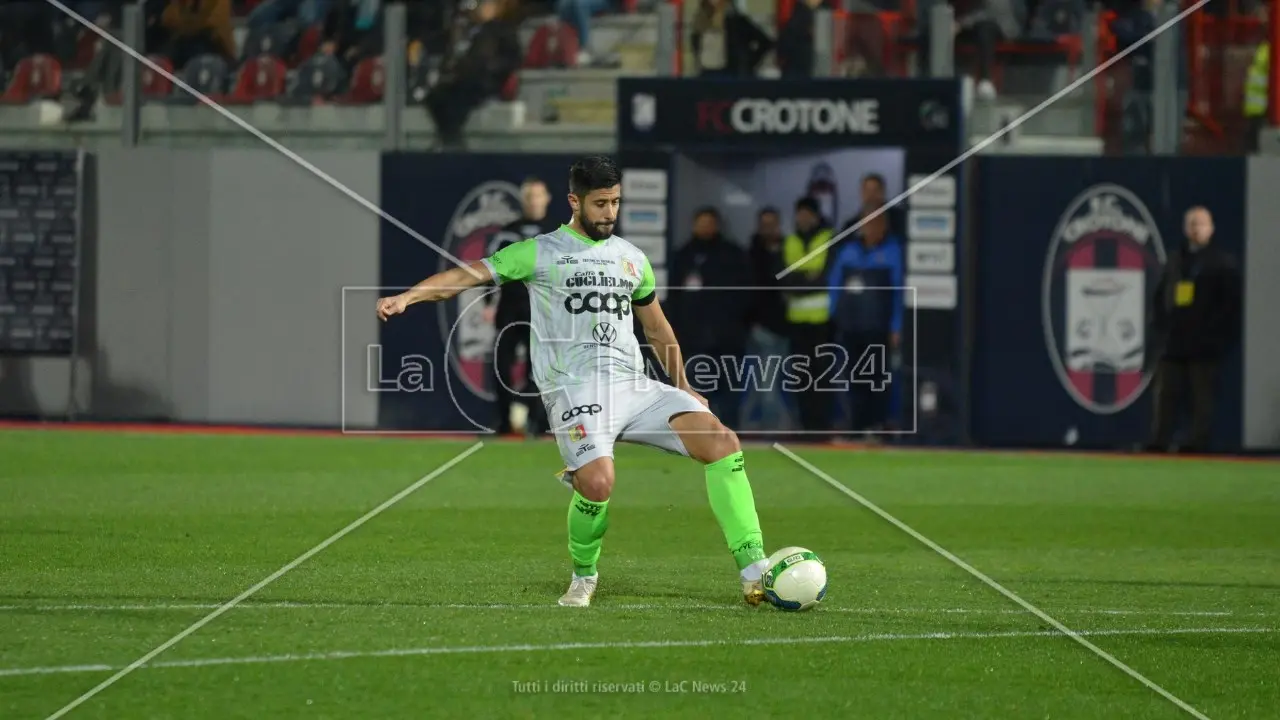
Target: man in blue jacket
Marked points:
867	317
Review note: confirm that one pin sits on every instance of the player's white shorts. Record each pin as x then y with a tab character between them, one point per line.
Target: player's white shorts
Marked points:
588	419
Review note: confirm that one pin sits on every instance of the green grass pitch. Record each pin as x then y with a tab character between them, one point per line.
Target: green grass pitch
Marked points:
443	606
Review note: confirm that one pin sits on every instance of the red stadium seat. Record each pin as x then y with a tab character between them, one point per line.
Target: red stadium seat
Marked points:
308	44
155	85
87	45
511	88
260	78
35	77
554	44
367	82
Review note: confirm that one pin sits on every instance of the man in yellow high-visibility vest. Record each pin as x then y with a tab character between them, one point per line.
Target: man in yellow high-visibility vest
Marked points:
808	304
1255	94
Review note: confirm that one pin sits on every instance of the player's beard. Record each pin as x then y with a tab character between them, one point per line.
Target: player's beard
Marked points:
596	231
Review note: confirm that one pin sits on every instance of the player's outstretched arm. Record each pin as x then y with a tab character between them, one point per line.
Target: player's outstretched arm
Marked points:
440	286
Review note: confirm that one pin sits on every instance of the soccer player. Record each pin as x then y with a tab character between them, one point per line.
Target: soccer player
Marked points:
584	284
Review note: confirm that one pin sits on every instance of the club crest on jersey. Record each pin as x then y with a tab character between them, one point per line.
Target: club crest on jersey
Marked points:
476	222
629	268
1104	255
577	433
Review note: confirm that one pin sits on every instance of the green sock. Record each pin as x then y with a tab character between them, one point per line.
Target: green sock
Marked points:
587	522
735	508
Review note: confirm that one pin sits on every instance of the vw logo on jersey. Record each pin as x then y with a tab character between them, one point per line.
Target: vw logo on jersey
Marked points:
604	333
1104	254
477	220
591	409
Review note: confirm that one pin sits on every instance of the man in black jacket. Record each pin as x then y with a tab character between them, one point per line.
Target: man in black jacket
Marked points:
795	42
710	323
511	315
875	194
768	309
492	55
1196	317
727	42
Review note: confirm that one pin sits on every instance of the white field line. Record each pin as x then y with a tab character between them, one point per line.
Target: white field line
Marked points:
624	645
986	580
293	605
267	580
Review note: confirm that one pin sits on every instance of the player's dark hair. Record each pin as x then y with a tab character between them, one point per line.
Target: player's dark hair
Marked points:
768	210
707	210
532	180
876	178
595	172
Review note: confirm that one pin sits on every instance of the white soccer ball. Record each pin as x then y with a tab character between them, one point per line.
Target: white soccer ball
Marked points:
795	579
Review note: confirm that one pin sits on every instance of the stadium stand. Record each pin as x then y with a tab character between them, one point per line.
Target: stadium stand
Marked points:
35	77
290	63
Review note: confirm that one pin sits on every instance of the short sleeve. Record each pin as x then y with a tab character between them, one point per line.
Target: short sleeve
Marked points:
513	262
644	292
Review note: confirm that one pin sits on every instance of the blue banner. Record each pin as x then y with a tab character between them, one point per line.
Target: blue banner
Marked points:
458	202
1068	251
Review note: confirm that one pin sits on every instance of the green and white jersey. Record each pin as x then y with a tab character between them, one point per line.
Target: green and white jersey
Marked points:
581	294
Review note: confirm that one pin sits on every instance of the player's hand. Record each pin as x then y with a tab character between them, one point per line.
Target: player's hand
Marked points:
393	305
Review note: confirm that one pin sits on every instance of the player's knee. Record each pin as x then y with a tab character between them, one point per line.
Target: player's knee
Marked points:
720	442
594	481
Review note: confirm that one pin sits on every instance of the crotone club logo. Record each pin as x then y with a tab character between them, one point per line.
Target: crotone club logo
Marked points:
1105	255
604	333
479	217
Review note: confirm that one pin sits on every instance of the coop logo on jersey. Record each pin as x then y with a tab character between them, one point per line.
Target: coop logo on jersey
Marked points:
598	302
477	220
574	412
1104	255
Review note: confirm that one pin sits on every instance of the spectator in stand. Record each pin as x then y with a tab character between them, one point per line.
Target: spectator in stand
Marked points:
578	14
795	41
982	24
1134	21
1255	89
478	73
726	42
353	31
306	12
26	28
430	29
191	28
102	77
